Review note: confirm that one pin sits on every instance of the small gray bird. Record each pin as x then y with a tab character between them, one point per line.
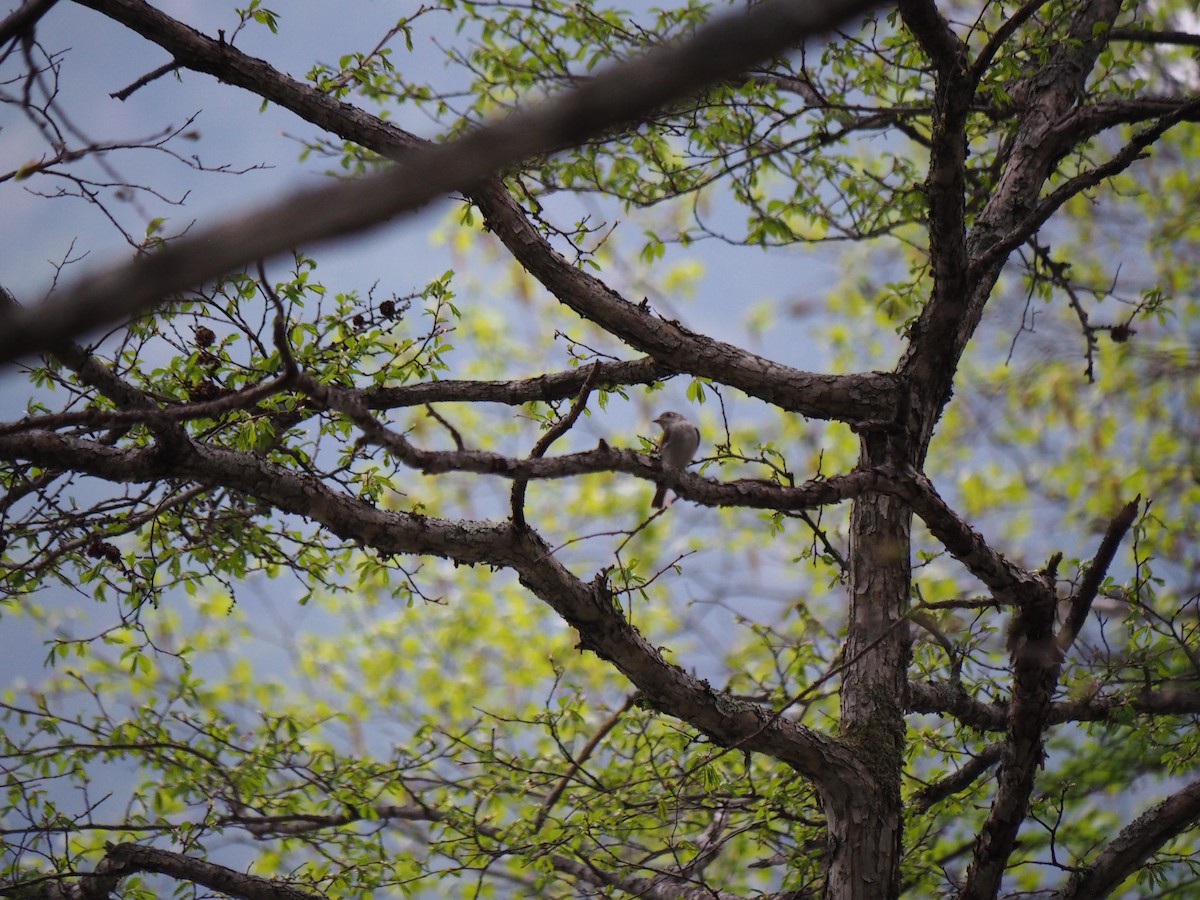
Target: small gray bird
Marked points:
676	449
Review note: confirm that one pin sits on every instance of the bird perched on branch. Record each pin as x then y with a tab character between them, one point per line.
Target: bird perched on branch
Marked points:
678	445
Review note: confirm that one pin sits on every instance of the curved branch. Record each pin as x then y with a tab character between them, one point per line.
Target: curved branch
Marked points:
128	859
589	608
144	464
722	49
24	18
958	780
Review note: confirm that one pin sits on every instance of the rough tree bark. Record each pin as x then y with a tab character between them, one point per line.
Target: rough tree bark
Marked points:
858	775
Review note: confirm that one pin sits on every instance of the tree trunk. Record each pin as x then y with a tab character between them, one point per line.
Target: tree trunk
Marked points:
874	687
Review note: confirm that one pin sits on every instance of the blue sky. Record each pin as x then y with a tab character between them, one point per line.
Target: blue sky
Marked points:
99	57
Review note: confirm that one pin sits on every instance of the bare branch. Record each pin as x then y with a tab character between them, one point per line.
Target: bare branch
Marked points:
1150	36
125	92
24	18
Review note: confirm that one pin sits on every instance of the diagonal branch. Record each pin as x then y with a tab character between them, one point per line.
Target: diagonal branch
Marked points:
129	859
588	607
1081	600
1006	30
1021	228
722	49
1004	578
1036	663
1134	845
956	781
852	398
24	18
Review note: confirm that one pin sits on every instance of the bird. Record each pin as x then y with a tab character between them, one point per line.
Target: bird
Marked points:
678	445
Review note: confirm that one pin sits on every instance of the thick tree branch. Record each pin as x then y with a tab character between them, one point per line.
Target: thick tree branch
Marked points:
947	698
1150	36
722	49
25	17
950	698
144	464
1036	662
590	608
127	859
1134	845
1004	578
940	332
1025	226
